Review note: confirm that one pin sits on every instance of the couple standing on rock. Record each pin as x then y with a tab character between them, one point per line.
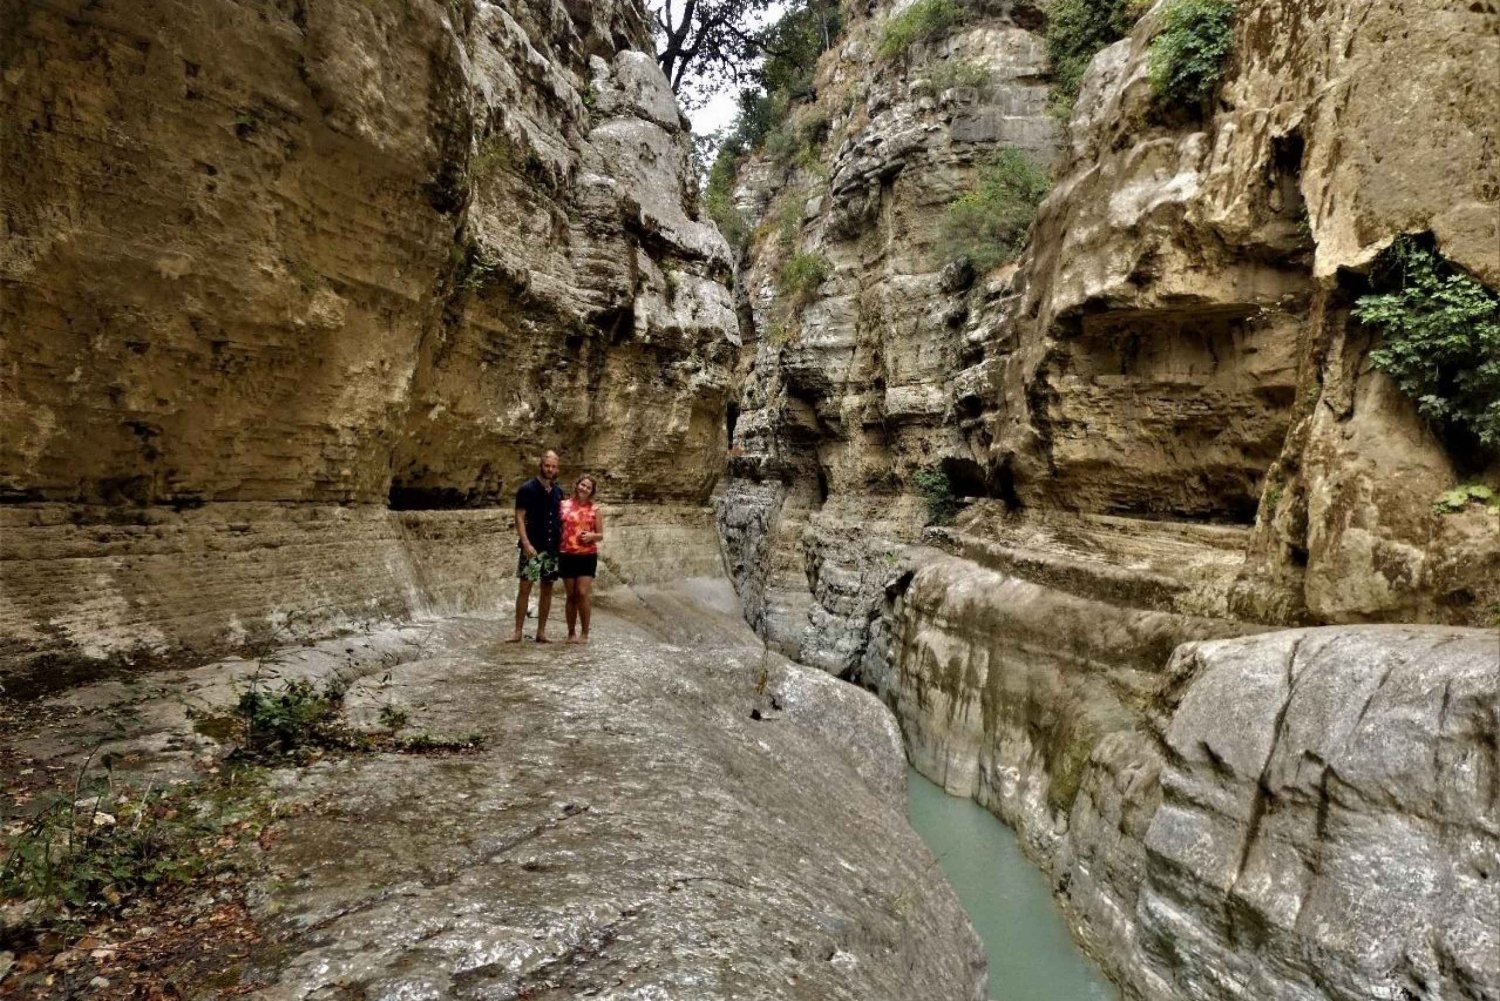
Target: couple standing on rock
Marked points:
558	537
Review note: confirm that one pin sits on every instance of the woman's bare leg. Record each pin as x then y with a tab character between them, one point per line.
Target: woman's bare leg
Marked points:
570	610
585	605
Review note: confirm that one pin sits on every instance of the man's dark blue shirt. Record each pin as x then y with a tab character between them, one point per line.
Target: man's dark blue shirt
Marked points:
543	513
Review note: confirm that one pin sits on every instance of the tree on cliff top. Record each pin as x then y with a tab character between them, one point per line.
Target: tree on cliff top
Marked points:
706	44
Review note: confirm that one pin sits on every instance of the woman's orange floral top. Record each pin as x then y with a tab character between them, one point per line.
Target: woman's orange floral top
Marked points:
576	519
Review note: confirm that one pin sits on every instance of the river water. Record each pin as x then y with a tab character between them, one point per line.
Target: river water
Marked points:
1032	957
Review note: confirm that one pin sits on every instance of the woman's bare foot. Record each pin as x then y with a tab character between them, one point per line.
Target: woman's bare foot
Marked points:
572	639
514	637
542	639
584	638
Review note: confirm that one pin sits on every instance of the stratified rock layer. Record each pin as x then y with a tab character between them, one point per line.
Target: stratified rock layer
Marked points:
273	272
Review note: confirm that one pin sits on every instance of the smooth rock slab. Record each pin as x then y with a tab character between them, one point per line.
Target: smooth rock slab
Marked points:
630	831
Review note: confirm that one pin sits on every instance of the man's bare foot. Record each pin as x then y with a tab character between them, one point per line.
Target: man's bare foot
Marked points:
584	638
572	639
542	639
514	638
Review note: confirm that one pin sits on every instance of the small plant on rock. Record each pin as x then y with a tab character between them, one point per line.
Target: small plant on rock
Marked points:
1460	497
1272	499
1188	57
394	717
987	226
1440	340
801	277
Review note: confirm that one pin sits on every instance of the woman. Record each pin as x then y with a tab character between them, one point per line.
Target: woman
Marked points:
578	558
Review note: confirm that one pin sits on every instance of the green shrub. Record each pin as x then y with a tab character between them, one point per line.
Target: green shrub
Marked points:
718	199
951	73
1440	340
787	218
1460	497
987	226
1188	56
937	490
923	21
801	276
782	145
294	717
1076	31
791	46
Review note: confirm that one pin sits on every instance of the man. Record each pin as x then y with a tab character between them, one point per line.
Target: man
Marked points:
539	527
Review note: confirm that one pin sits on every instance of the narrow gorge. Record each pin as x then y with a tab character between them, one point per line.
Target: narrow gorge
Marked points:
1093	403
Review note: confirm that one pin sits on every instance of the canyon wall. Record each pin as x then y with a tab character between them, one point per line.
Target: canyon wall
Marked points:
294	296
1174	446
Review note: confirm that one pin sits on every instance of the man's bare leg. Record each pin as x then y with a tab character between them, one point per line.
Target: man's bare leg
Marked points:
543	606
523	595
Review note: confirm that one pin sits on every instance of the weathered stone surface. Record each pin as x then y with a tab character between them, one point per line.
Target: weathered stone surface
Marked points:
629	829
1299	814
1327	825
269	272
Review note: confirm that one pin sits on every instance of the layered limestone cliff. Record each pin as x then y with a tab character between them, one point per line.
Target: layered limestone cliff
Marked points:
294	295
1180	446
846	397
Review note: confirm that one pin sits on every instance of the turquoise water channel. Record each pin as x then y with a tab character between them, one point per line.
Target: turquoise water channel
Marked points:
1032	957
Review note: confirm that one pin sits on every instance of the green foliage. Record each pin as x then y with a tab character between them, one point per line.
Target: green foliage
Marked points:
474	269
718	199
93	853
948	74
495	153
793	44
1076	31
307	276
764	120
1460	497
937	490
1189	54
1272	500
779	333
1440	340
787	218
923	21
298	721
801	275
987	226
296	716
